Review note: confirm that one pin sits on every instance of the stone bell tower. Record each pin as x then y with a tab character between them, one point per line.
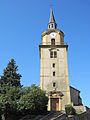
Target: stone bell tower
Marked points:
53	67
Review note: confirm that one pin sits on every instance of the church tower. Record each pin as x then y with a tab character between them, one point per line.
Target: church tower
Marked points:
53	67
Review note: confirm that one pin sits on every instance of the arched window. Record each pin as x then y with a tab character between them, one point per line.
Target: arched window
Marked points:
52	41
49	26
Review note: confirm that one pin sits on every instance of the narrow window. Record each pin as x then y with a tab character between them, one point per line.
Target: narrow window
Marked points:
54	73
52	41
53	65
55	54
51	54
52	25
49	26
54	84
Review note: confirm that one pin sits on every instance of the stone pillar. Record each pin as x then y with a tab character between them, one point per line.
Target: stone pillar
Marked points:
49	104
59	104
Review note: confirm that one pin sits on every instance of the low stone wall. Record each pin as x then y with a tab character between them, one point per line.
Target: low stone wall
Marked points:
56	116
83	116
80	109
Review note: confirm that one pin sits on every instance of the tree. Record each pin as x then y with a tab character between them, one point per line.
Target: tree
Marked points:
15	99
10	76
10	88
35	101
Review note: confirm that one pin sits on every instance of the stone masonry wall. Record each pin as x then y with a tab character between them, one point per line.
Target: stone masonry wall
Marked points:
84	116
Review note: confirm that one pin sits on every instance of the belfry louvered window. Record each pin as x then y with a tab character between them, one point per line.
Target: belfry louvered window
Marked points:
53	54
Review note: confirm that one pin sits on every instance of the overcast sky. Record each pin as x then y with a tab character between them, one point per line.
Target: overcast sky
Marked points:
21	25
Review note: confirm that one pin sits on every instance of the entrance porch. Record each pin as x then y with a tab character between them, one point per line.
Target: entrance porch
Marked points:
55	101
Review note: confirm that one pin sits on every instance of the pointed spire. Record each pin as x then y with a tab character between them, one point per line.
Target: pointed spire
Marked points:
52	24
51	19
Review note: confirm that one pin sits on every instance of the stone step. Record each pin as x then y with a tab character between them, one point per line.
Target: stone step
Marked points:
54	116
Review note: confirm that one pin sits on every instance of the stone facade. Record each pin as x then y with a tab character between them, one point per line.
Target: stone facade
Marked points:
53	68
75	97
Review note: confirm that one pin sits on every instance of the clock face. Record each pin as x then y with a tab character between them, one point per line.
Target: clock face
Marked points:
53	34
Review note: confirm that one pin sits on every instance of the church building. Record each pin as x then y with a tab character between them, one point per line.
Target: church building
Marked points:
54	69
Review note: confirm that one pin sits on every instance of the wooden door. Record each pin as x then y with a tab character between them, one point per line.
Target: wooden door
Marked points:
54	104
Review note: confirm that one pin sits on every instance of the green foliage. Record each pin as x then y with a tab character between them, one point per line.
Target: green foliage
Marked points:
34	101
10	76
15	99
10	99
10	88
70	110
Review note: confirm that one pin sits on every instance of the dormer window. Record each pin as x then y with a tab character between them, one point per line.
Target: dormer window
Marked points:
52	41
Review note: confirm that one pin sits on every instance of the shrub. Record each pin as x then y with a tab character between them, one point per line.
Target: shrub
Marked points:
70	110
